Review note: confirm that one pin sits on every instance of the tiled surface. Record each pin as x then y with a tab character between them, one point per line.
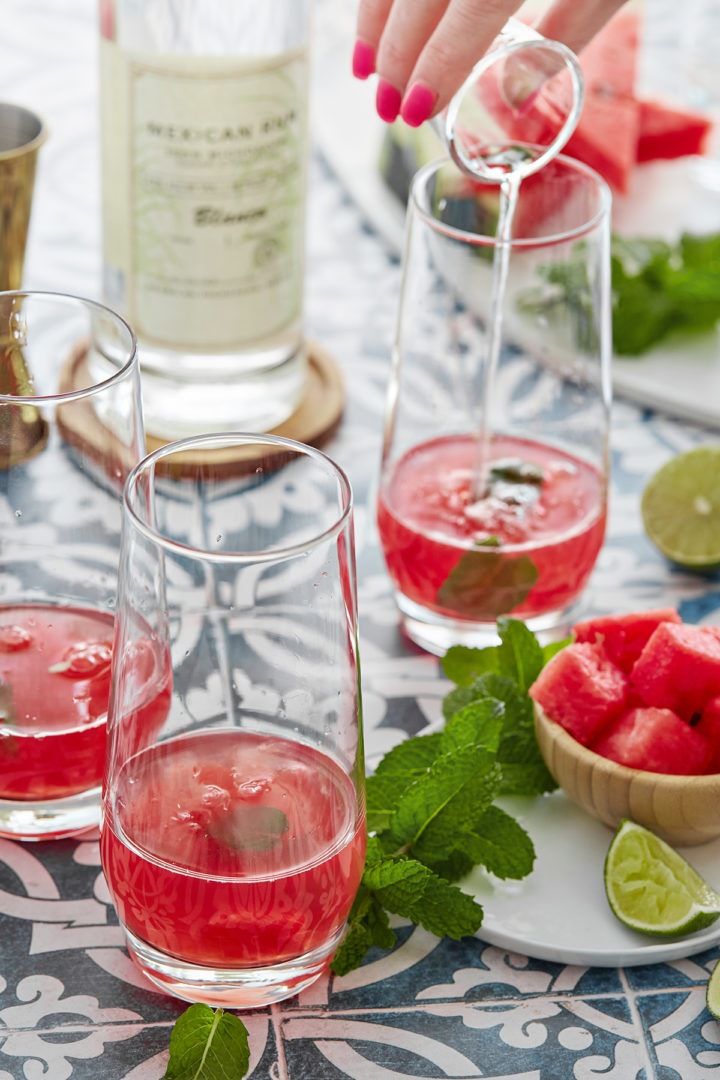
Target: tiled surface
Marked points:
71	1003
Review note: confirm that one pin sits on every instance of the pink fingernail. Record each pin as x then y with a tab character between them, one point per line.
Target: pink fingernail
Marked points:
418	104
387	101
363	60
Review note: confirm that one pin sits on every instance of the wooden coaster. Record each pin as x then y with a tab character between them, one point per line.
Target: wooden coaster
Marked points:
314	421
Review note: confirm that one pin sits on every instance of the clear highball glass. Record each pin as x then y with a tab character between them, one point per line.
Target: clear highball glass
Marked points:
70	431
233	837
524	541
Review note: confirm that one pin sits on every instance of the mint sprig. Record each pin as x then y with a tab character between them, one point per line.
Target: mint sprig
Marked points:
431	800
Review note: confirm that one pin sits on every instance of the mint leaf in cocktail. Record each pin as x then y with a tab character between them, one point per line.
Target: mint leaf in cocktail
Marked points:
208	1044
249	828
486	583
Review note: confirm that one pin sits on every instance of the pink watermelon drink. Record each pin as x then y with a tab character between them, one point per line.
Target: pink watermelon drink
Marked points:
232	849
54	689
526	548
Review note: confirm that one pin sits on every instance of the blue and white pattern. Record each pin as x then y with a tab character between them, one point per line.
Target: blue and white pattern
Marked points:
72	1005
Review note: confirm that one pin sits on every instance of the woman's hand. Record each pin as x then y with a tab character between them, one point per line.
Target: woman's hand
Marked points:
423	50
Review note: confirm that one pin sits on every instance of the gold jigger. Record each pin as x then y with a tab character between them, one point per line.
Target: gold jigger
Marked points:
23	430
22	133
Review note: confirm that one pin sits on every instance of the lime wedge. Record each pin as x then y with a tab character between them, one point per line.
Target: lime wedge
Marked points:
653	889
681	508
712	994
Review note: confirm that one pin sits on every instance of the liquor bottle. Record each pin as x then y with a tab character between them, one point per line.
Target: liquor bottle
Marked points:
204	148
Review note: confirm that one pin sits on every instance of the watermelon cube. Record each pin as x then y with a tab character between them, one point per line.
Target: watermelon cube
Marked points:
709	727
679	668
623	637
655	740
581	690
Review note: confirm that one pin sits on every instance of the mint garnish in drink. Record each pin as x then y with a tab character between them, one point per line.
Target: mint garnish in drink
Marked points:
249	828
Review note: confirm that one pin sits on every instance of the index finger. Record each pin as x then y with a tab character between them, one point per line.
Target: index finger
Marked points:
461	37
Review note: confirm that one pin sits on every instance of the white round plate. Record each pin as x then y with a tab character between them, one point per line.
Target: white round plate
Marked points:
681	375
559	912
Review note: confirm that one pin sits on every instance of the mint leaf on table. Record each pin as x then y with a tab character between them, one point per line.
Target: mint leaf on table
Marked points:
431	801
208	1044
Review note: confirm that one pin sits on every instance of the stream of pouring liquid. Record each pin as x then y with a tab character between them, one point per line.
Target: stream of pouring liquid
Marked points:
508	188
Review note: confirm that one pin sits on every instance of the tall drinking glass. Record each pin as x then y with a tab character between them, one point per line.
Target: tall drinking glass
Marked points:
492	496
233	838
70	431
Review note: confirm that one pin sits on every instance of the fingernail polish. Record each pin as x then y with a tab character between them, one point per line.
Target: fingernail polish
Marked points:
387	101
363	60
418	104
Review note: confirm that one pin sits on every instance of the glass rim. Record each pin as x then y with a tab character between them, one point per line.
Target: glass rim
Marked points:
233	438
47	400
487	240
30	145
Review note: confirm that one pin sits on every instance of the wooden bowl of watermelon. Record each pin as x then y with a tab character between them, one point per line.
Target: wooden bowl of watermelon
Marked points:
627	718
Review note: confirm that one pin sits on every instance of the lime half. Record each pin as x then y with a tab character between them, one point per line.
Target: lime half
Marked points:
681	508
653	889
712	995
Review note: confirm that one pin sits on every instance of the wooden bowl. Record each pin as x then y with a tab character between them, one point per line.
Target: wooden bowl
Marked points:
683	810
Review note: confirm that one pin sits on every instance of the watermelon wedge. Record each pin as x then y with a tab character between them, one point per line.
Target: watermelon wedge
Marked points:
667	132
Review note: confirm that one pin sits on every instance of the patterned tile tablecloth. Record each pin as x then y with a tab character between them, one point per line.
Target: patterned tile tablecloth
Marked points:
71	1003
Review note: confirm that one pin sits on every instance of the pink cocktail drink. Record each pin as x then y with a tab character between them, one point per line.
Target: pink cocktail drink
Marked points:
54	690
230	849
526	548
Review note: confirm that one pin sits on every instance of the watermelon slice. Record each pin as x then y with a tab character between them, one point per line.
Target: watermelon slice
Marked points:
623	637
581	690
679	668
655	740
667	133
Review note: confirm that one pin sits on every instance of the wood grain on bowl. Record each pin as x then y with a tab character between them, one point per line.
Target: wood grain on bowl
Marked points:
683	810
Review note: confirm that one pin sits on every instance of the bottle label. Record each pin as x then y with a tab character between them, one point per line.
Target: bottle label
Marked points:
204	195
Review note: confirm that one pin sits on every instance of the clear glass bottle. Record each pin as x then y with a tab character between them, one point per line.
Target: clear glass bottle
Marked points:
204	148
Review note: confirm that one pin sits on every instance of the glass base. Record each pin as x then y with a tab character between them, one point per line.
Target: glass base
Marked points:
232	988
178	403
436	633
50	819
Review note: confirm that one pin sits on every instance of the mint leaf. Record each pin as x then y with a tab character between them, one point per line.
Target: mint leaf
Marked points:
524	771
554	647
450	828
406	887
247	827
501	844
463	665
399	768
451	775
486	583
520	656
479	723
368	925
208	1044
